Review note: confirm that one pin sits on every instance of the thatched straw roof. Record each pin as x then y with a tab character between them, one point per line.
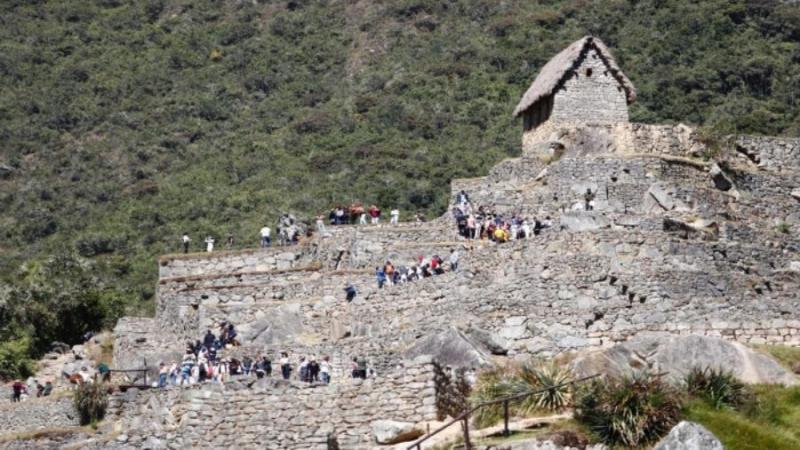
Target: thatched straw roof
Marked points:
553	72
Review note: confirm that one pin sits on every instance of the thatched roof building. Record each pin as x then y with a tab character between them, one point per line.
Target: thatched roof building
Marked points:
582	83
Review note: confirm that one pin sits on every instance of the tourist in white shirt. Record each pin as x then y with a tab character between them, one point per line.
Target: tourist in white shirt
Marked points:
265	239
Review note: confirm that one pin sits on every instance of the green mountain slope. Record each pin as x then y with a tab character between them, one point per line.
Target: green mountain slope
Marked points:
124	124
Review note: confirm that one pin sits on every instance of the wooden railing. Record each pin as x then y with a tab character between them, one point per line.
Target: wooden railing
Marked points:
465	416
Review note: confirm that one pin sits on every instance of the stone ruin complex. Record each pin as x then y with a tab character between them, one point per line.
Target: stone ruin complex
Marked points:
686	237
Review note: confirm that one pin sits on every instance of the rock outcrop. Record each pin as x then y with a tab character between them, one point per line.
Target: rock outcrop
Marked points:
677	355
689	436
393	432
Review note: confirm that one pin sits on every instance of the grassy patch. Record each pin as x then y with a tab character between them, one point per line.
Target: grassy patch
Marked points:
789	357
770	421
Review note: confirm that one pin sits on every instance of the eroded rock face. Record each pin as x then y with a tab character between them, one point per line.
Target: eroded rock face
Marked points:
689	436
284	322
677	355
450	348
495	344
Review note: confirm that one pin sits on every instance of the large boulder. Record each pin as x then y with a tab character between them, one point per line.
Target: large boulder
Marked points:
677	355
689	436
450	348
393	432
495	344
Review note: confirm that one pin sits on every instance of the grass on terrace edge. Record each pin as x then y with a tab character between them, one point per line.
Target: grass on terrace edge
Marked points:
789	357
771	421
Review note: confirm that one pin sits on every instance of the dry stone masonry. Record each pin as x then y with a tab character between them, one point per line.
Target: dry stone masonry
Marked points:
277	414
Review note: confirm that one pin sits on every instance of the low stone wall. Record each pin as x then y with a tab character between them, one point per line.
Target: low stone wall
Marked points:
275	414
771	332
37	414
771	153
208	264
675	140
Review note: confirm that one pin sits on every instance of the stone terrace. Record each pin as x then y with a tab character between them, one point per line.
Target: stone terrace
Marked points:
675	244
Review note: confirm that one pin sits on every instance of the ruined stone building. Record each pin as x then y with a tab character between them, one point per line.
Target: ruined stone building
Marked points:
582	84
681	241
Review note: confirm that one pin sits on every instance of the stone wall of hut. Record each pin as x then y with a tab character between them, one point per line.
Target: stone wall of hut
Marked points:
590	94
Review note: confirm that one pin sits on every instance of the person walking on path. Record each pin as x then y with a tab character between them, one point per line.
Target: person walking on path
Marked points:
588	199
350	290
265	236
325	369
286	368
17	389
462	198
375	213
381	277
186	240
209	244
395	216
321	224
453	260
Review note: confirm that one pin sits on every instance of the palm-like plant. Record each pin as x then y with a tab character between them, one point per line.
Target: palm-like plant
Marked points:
552	381
630	411
718	387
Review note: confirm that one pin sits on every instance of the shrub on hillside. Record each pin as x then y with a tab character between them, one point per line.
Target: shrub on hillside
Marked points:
15	361
720	388
91	402
491	384
631	411
502	382
552	381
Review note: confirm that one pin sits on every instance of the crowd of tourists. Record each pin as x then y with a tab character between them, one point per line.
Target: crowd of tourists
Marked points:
201	363
357	214
485	223
423	268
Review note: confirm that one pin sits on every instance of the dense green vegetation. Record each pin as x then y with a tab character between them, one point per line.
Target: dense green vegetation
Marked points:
124	124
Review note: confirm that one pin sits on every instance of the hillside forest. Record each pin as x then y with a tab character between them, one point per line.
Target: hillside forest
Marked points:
125	124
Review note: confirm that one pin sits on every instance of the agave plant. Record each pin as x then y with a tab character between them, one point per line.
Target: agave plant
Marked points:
552	381
492	384
631	411
718	387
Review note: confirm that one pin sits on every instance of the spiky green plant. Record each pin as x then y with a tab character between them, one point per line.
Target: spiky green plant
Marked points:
549	377
719	387
558	393
631	411
500	382
492	384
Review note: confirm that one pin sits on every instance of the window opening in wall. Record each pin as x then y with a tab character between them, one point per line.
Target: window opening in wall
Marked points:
589	72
